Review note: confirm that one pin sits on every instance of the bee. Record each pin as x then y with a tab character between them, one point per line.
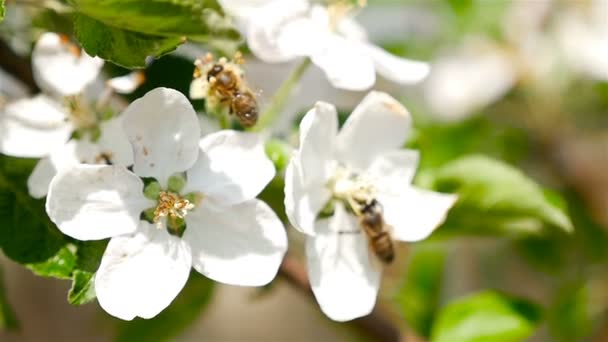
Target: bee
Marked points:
226	83
372	223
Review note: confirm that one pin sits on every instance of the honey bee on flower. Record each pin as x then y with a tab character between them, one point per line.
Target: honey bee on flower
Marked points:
222	84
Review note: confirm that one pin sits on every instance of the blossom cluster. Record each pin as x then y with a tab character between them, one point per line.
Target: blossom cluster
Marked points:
171	198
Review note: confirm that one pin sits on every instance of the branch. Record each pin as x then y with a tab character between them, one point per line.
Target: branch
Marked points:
374	325
17	66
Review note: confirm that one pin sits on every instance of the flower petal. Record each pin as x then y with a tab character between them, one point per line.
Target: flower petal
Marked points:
345	63
343	279
115	143
242	244
164	131
74	152
128	83
379	124
318	131
92	202
232	167
141	273
414	214
33	127
397	69
460	84
394	170
303	202
266	26
62	68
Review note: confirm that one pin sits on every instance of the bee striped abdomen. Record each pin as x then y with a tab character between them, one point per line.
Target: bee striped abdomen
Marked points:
383	248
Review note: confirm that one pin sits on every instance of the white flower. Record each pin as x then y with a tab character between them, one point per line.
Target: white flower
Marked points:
284	30
582	34
42	126
361	163
230	236
472	78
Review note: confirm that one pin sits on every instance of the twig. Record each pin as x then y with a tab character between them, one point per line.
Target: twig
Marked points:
17	66
374	325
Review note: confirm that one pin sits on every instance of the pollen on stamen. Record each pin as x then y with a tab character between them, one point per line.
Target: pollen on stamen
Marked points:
171	205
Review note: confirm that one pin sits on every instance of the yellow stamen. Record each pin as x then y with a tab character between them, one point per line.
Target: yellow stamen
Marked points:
171	205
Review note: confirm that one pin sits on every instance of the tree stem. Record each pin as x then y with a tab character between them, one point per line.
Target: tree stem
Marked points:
279	99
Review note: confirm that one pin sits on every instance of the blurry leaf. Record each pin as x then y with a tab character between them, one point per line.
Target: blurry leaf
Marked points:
83	289
50	20
569	316
1	10
443	142
26	234
89	257
486	316
125	48
419	297
494	198
173	320
8	320
201	20
59	265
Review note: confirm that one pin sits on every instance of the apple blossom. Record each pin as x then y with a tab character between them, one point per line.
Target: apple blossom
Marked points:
334	171
279	31
229	235
45	125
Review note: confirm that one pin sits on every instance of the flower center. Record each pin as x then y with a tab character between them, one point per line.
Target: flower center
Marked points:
172	206
80	114
353	188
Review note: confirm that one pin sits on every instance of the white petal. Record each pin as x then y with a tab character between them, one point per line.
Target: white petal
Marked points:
414	214
302	36
33	127
240	245
343	279
394	170
458	85
164	131
128	83
379	124
266	26
346	63
232	167
92	202
303	201
141	273
114	142
74	152
397	69
62	68
318	131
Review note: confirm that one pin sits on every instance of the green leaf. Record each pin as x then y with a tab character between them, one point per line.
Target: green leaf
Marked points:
83	278
26	234
201	20
1	10
83	289
495	198
486	316
125	48
173	320
59	265
570	316
419	297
